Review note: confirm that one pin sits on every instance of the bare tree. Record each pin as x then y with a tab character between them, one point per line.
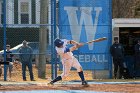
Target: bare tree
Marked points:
125	8
43	38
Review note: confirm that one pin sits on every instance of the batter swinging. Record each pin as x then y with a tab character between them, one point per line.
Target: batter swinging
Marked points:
68	60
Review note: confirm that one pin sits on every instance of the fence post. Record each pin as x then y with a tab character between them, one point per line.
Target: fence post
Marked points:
4	29
53	36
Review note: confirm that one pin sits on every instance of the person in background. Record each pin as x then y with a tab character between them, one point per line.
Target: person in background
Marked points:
26	60
9	58
137	58
117	52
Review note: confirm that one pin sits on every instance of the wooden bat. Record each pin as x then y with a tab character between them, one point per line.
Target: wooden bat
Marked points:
96	40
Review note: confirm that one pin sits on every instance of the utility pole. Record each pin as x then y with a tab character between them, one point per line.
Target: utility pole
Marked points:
43	38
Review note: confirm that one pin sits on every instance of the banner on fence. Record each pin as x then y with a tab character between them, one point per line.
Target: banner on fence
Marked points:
85	20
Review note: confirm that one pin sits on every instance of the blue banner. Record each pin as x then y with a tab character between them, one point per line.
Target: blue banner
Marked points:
86	20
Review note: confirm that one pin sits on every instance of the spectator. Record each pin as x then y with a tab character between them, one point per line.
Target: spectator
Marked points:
137	58
26	60
9	58
117	53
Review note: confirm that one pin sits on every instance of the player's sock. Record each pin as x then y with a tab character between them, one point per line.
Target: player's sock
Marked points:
57	79
81	75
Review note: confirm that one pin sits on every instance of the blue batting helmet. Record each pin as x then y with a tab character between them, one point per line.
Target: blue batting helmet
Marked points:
58	42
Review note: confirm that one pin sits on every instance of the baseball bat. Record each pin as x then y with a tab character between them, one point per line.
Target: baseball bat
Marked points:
96	40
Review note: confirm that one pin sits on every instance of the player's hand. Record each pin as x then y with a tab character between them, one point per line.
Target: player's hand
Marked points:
76	46
79	45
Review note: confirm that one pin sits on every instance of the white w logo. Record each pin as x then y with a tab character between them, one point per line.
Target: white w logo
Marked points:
85	18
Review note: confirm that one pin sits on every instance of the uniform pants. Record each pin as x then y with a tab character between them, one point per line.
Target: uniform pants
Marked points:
67	64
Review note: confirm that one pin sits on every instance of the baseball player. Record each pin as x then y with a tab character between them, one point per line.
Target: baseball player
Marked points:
68	60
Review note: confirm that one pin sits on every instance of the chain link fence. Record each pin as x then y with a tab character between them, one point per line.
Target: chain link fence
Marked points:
24	22
84	21
14	38
38	22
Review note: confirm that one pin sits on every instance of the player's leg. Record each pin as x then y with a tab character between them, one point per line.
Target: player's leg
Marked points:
55	80
66	70
77	65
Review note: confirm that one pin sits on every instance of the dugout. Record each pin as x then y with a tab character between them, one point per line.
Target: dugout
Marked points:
128	30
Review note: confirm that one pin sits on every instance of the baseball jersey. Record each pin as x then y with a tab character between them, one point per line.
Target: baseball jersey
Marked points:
64	52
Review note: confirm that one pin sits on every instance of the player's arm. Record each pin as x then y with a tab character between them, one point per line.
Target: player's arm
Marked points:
72	42
76	46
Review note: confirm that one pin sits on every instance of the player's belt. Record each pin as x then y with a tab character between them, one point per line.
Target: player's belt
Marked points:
67	59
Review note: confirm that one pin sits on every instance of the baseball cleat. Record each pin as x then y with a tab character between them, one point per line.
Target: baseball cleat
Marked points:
50	83
85	84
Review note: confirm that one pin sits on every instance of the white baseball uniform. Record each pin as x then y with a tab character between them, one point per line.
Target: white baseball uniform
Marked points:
67	58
